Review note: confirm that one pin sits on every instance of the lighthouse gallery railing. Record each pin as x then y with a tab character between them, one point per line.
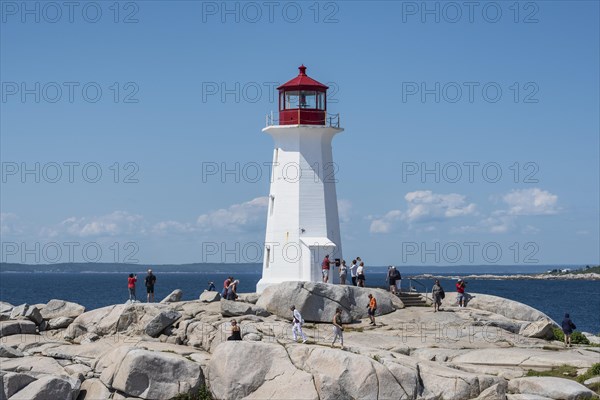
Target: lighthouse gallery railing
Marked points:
332	120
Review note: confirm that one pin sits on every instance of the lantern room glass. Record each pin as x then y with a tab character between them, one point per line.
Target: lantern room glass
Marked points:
302	99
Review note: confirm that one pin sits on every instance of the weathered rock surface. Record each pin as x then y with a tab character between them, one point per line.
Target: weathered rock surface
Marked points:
9	352
60	308
231	308
273	377
16	327
48	387
58	323
150	374
209	297
538	329
93	389
162	320
173	297
554	388
506	307
317	301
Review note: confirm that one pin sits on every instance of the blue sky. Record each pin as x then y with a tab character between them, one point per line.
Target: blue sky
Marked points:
185	87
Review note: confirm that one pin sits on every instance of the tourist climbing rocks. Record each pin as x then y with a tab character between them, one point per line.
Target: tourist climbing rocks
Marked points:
568	327
236	334
297	322
338	329
372	308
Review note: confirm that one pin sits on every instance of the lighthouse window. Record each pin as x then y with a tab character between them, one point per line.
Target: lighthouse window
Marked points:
291	100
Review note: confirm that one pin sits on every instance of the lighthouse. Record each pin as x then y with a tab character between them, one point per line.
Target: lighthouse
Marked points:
302	218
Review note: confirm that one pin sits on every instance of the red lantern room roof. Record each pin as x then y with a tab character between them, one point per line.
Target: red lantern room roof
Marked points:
303	82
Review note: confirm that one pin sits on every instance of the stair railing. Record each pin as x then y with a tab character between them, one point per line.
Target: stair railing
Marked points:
411	288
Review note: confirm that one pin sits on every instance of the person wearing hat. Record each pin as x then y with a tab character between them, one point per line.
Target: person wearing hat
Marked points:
297	322
460	289
150	281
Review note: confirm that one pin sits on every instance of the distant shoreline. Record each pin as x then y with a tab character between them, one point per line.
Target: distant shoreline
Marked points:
580	276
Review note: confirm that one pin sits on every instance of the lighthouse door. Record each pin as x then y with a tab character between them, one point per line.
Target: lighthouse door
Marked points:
314	250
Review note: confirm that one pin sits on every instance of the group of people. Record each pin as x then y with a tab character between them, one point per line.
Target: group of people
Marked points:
298	321
230	287
438	294
356	270
149	282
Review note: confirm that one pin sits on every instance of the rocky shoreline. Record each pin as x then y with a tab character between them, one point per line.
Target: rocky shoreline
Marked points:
158	351
586	277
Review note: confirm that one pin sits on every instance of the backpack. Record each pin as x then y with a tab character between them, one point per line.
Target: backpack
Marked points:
442	293
397	275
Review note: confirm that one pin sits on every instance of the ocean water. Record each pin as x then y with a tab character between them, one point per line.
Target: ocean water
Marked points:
93	290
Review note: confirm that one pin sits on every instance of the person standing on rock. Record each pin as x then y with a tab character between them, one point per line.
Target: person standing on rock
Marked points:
437	293
353	269
150	281
338	329
325	265
297	322
343	272
131	280
391	279
360	275
568	327
236	334
460	289
372	308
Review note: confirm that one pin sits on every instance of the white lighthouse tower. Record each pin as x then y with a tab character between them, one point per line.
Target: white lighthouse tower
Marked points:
302	221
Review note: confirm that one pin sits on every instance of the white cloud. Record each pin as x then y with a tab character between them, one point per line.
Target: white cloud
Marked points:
344	207
245	216
384	224
115	223
168	227
9	224
426	205
531	202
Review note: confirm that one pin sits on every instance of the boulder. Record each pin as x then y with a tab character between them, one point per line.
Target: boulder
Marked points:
173	297
16	327
150	374
12	382
554	388
19	311
34	365
494	392
592	381
342	375
5	307
251	298
231	308
9	352
48	387
317	301
541	329
446	383
34	314
591	337
60	308
506	307
209	297
259	370
160	322
58	323
93	389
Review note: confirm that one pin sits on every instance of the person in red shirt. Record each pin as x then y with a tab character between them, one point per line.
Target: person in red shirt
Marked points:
460	289
131	286
325	266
